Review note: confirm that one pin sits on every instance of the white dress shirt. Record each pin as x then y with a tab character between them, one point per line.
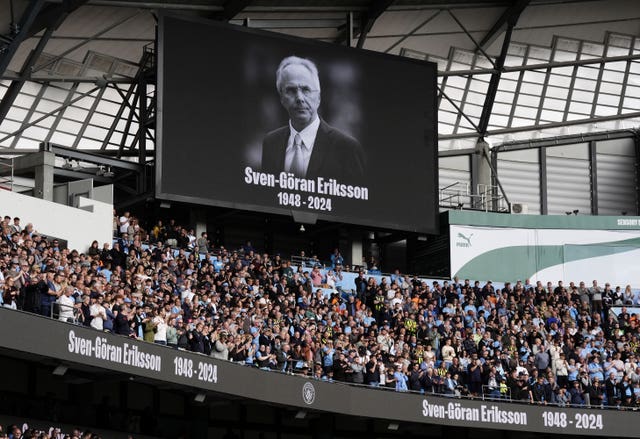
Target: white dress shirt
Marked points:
308	136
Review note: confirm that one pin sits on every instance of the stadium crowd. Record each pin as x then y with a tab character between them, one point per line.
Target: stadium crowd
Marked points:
533	342
15	431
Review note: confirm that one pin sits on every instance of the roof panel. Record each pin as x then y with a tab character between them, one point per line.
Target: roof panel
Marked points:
96	36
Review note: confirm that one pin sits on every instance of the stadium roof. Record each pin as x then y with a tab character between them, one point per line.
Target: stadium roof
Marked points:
567	66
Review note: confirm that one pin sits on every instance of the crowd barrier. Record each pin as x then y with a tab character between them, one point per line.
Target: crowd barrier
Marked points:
75	344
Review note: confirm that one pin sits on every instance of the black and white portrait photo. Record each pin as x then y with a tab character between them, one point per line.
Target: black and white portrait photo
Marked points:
307	145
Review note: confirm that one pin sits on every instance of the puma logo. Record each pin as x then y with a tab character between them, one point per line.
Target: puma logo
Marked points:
467	239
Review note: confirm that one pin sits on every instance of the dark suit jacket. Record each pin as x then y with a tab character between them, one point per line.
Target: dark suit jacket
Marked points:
335	154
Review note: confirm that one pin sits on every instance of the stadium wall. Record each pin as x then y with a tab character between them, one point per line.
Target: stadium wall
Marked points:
570	248
72	344
78	226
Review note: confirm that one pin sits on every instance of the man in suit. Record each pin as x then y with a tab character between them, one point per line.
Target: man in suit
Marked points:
308	147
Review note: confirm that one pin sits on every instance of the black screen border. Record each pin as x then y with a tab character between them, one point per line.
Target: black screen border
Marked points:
258	33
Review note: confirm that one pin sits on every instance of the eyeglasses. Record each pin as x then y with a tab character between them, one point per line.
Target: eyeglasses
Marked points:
292	91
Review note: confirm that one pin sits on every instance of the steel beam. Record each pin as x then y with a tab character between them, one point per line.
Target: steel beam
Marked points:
70	93
92	111
545	83
126	102
142	130
88	157
547	65
350	29
544	193
473	40
28	116
125	132
475	161
368	19
28	17
516	92
52	23
158	4
593	186
471	72
565	140
45	79
118	115
14	88
85	41
500	25
231	8
625	80
50	113
636	142
545	126
125	99
347	31
413	31
8	153
465	93
51	13
443	83
490	97
596	92
300	23
79	175
574	76
458	109
456	152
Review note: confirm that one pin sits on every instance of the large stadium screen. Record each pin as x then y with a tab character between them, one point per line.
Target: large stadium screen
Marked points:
261	121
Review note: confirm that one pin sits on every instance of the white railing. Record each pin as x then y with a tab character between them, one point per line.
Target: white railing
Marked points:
460	196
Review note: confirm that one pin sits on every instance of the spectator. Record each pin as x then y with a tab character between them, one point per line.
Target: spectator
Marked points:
401	380
445	337
98	313
159	325
563	398
67	305
10	292
220	349
576	394
124	223
316	277
336	258
596	393
541	392
50	292
357	371
203	243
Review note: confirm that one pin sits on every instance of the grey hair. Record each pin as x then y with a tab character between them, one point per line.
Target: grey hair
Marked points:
295	60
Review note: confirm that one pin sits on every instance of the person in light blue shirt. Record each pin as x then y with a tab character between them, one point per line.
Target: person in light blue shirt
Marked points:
573	369
595	368
585	352
397	277
573	312
401	381
106	271
328	352
471	307
369	319
448	309
336	258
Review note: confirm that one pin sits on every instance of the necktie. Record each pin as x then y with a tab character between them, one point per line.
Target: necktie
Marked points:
297	165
